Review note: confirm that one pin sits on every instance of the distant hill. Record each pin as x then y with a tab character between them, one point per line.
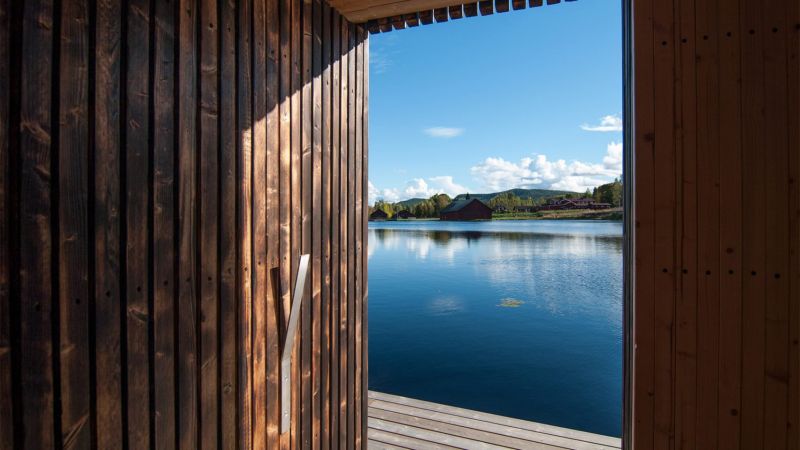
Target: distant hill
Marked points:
410	203
534	194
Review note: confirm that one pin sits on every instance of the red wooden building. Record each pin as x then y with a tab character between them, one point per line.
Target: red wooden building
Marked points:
467	209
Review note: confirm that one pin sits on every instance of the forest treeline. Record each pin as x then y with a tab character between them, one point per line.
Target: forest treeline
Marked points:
610	193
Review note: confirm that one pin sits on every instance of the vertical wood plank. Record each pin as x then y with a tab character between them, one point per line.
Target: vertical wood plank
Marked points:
306	189
229	138
664	216
139	194
6	387
344	206
708	222
335	225
259	194
163	237
686	326
296	33
351	232
107	289
776	156
730	235
344	268
358	231
326	392
209	226
793	83
365	242
753	227
285	186
73	225
273	221
35	282
316	212
244	225
644	262
188	282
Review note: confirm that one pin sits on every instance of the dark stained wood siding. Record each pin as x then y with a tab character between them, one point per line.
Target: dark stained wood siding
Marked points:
162	167
716	224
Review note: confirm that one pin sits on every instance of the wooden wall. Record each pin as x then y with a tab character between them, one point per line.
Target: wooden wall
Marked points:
716	94
162	167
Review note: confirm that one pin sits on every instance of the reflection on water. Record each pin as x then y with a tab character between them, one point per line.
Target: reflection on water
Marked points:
520	318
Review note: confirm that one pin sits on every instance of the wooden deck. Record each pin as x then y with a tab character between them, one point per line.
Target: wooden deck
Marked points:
401	422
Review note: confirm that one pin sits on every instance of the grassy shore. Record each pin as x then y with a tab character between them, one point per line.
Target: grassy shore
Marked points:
569	214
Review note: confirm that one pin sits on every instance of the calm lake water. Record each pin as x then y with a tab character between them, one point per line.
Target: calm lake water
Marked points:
441	327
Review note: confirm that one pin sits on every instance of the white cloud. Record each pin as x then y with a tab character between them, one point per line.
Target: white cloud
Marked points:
418	188
444	132
613	158
497	174
607	123
390	195
445	184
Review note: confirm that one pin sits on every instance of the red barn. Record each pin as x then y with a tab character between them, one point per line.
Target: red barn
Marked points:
466	209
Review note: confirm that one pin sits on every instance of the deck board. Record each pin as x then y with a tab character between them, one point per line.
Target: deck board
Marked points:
401	422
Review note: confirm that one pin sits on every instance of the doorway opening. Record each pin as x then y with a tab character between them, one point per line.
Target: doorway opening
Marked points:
498	239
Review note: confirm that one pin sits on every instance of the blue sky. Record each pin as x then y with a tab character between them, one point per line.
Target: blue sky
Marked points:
529	98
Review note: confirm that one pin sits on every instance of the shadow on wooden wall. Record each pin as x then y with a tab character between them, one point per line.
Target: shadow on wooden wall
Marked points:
163	167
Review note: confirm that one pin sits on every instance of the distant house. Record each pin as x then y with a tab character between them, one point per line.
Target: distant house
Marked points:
466	209
501	209
573	203
403	215
526	209
582	203
378	215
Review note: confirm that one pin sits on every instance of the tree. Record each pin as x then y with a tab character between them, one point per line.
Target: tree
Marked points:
610	193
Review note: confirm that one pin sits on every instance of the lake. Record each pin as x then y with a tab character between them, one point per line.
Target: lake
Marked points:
518	318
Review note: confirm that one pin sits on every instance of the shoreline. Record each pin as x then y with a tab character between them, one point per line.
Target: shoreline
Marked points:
613	214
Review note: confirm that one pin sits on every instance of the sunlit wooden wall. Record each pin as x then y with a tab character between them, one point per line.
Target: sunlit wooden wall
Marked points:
716	95
162	167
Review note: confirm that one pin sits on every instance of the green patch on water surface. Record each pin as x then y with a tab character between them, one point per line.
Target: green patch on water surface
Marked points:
511	303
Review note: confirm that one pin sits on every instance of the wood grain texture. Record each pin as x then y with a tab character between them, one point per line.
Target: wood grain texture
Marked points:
259	218
336	64
188	282
344	268
273	203
228	232
306	223
73	227
721	75
317	233
107	225
138	225
6	366
209	192
34	286
364	335
730	237
162	265
793	96
244	214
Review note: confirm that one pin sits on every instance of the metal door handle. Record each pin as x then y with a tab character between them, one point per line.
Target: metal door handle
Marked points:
288	344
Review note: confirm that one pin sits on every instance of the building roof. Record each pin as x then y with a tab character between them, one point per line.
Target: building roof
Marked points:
378	213
458	205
